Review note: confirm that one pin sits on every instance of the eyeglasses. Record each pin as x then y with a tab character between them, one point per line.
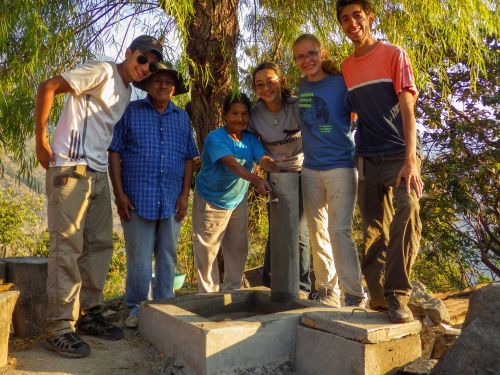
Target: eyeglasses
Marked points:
309	54
153	66
263	85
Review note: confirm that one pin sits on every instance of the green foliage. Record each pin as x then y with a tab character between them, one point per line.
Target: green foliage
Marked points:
114	286
20	224
257	228
462	207
185	257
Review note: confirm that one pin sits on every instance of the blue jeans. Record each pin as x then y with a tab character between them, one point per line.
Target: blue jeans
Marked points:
304	252
143	239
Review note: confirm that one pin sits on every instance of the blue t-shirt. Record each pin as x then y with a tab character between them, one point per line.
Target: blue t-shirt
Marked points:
326	124
215	182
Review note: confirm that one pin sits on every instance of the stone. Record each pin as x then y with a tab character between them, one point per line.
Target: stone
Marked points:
419	367
7	302
319	352
484	306
428	338
442	342
29	274
477	349
422	304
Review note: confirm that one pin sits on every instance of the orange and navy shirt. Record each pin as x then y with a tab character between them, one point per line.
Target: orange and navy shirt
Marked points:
374	82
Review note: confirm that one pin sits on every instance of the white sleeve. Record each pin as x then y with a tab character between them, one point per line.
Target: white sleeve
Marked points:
87	76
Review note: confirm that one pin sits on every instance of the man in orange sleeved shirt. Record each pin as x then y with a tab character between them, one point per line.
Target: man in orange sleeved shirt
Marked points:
381	88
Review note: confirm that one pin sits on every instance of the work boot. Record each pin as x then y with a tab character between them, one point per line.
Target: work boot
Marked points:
303	294
93	323
68	345
327	296
398	310
355	301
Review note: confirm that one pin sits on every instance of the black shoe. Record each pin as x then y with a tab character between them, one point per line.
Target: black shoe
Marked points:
68	345
93	323
398	310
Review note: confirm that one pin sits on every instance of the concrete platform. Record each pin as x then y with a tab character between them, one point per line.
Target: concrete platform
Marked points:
222	332
349	341
226	333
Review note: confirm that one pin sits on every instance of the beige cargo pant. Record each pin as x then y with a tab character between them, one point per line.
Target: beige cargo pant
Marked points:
213	228
81	244
329	199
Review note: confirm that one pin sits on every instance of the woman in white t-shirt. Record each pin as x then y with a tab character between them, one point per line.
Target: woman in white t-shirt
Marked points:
275	119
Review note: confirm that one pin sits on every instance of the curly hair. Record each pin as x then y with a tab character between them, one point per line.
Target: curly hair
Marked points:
365	4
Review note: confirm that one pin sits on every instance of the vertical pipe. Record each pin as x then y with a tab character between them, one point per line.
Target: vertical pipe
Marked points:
284	234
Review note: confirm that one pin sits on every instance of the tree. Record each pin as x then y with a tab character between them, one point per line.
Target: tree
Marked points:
463	201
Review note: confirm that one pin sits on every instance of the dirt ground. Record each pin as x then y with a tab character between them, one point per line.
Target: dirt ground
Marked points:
131	355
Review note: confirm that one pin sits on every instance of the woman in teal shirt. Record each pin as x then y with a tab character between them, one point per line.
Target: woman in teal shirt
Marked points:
220	214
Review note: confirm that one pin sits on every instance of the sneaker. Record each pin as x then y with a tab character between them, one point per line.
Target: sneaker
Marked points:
326	296
355	301
398	310
303	294
132	321
94	324
68	345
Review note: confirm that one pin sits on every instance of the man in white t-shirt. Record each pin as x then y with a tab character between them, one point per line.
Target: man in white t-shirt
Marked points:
79	205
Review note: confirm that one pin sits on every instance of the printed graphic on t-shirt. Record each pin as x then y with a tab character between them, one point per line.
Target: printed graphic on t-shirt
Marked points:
314	110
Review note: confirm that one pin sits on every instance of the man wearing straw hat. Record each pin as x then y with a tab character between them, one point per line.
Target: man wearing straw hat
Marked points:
151	164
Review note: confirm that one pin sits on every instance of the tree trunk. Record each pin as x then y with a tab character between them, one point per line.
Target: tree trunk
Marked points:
213	35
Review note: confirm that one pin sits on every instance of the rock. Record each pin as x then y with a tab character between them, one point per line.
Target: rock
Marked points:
419	367
422	304
442	342
448	330
477	349
444	338
484	305
428	338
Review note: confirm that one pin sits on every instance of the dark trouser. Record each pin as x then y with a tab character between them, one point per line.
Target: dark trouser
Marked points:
304	252
391	227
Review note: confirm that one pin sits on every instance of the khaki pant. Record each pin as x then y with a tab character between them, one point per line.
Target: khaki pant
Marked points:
81	244
213	228
329	200
391	229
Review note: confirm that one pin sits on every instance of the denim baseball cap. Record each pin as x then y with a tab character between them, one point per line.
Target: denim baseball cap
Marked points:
148	43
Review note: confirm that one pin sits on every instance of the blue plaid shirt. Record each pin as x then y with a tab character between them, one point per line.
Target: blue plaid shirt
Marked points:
153	148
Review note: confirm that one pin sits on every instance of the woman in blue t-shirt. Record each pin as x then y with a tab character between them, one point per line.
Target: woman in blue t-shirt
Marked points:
220	202
328	175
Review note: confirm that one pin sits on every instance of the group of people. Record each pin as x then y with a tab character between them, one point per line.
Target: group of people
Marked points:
150	147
